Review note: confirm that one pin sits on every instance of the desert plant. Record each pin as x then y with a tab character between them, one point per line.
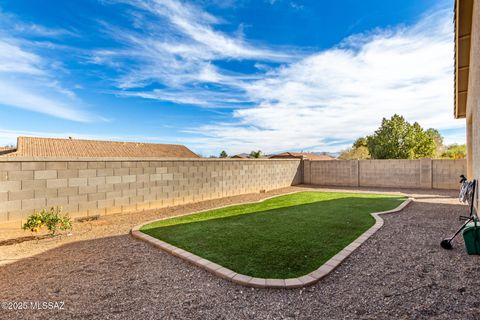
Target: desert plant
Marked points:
256	154
455	151
53	219
398	139
223	154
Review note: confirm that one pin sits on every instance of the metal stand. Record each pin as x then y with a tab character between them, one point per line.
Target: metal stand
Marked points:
447	242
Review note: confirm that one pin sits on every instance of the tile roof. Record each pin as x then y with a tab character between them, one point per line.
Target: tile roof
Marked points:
5	150
241	156
302	155
53	147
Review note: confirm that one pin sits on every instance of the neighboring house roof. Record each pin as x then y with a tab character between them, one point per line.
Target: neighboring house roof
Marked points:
52	147
241	156
463	30
6	150
301	155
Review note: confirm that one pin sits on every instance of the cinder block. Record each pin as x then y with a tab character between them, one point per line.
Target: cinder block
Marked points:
156	177
56	165
10	166
35	204
135	185
10	186
143	178
66	174
135	171
77	199
77	182
20	175
136	199
107	203
129	208
149	197
129	178
21	195
156	204
129	193
85	206
96	165
36	165
113	210
96	181
19	215
105	187
45	174
114	179
143	191
120	202
68	191
113	164
46	193
121	186
78	165
129	164
96	196
143	164
149	170
113	194
121	171
57	202
87	173
143	206
70	208
87	189
167	189
161	170
96	212
57	183
8	206
167	176
78	214
104	172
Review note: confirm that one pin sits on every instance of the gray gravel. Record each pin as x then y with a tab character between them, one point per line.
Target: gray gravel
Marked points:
399	273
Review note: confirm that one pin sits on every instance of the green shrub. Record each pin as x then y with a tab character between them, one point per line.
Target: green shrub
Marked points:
53	219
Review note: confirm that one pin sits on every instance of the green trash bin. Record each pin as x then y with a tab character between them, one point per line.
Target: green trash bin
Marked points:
471	236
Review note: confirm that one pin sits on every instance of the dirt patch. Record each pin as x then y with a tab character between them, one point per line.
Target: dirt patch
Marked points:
9	242
102	272
108	226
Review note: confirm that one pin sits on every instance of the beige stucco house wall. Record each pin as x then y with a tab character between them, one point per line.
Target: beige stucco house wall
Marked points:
467	78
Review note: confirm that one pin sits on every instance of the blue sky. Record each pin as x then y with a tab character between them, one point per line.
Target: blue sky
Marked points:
243	75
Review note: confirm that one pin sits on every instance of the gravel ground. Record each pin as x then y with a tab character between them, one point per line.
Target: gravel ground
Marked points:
400	272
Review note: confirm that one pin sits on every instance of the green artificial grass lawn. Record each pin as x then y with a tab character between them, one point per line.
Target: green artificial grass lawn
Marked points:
283	237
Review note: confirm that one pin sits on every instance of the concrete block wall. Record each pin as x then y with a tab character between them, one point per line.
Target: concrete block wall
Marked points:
338	172
106	186
390	173
445	173
422	174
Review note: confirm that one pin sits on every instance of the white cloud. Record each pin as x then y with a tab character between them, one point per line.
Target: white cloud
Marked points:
342	93
26	83
24	96
318	102
14	59
174	43
38	30
13	25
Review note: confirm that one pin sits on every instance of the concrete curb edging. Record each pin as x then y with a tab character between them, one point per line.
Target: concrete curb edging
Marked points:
249	281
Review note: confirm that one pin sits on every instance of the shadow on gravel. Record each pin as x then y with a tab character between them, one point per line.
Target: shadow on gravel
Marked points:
400	272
